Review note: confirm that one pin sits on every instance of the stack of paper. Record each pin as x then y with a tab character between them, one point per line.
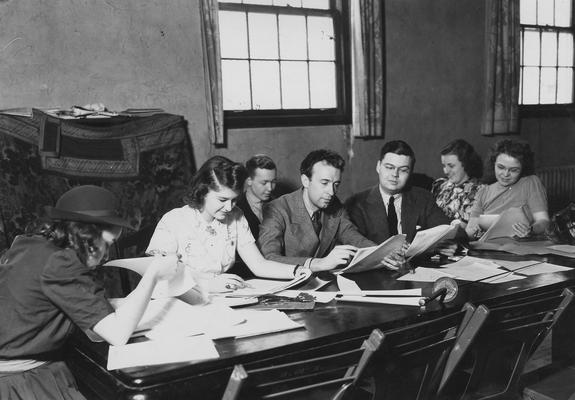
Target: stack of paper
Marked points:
256	322
369	258
260	287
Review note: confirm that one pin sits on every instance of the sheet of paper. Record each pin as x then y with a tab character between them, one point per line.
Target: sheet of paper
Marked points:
404	301
180	283
565	248
256	323
422	274
504	277
347	285
429	238
154	352
223	300
503	226
542	268
514	265
260	287
486	220
370	257
472	269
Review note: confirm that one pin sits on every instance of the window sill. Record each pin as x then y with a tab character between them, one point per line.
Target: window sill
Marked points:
546	111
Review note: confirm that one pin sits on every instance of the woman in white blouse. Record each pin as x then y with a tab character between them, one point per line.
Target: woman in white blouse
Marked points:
207	231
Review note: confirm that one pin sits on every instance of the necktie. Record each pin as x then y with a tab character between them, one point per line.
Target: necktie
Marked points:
316	221
391	217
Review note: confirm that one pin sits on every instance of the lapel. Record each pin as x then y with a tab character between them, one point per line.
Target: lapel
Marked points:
330	225
377	213
408	214
304	228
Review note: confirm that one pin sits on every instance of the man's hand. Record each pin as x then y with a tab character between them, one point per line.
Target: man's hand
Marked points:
339	255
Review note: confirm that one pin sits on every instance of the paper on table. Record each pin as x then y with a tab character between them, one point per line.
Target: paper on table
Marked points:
422	274
503	225
161	352
180	283
404	301
260	287
514	265
347	285
171	317
565	248
429	238
256	323
369	258
542	268
222	300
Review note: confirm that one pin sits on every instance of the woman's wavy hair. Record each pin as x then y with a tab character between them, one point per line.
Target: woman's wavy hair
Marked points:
214	174
471	161
518	150
84	238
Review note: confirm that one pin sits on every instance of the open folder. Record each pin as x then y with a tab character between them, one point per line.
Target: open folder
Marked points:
502	225
429	238
369	258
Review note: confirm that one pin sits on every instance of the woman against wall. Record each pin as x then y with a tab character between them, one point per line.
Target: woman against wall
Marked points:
206	232
455	193
47	286
515	185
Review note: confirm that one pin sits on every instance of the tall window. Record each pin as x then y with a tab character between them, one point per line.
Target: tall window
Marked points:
284	62
546	52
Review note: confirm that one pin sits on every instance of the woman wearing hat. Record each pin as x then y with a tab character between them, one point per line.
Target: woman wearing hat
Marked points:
47	287
209	229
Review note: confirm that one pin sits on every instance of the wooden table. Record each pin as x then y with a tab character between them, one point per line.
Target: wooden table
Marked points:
331	322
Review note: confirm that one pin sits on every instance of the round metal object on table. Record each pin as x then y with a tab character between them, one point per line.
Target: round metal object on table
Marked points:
451	286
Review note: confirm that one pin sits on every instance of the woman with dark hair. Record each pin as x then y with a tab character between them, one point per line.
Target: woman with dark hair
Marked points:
463	168
207	231
47	287
515	186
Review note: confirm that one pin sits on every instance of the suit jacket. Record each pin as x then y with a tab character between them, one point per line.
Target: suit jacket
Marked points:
418	208
287	234
252	218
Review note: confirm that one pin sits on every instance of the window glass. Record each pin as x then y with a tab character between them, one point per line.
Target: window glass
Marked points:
295	87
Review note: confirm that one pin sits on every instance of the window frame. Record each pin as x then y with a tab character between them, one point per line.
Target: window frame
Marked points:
303	117
549	110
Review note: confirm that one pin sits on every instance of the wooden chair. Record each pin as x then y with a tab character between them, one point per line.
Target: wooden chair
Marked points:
508	336
338	371
412	359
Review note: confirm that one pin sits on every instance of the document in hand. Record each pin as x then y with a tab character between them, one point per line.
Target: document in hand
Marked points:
181	282
429	238
503	225
369	258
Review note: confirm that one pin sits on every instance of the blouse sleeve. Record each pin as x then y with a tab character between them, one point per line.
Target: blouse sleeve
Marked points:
245	235
164	239
477	207
70	285
536	195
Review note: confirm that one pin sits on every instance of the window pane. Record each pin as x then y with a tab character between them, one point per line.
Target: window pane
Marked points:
292	37
321	38
322	84
531	48
291	3
233	34
566	49
548	85
323	4
528	12
545	12
563	12
236	85
549	49
229	1
530	85
263	35
295	88
264	2
565	85
266	85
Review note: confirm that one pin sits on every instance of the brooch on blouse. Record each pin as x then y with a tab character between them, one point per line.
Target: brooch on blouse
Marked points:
211	231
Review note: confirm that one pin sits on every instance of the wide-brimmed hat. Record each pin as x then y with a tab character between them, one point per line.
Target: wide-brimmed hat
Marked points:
88	203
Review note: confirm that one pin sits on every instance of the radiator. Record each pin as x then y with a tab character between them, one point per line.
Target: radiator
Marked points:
560	185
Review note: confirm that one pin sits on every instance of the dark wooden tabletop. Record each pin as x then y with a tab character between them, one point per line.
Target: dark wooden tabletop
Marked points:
331	322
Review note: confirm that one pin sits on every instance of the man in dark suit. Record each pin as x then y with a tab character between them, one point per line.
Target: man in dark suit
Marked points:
260	184
310	227
394	206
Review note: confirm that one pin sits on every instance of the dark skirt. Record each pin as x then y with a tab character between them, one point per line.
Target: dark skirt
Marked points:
49	381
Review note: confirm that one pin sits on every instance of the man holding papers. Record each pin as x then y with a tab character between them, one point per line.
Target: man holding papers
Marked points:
310	227
394	206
